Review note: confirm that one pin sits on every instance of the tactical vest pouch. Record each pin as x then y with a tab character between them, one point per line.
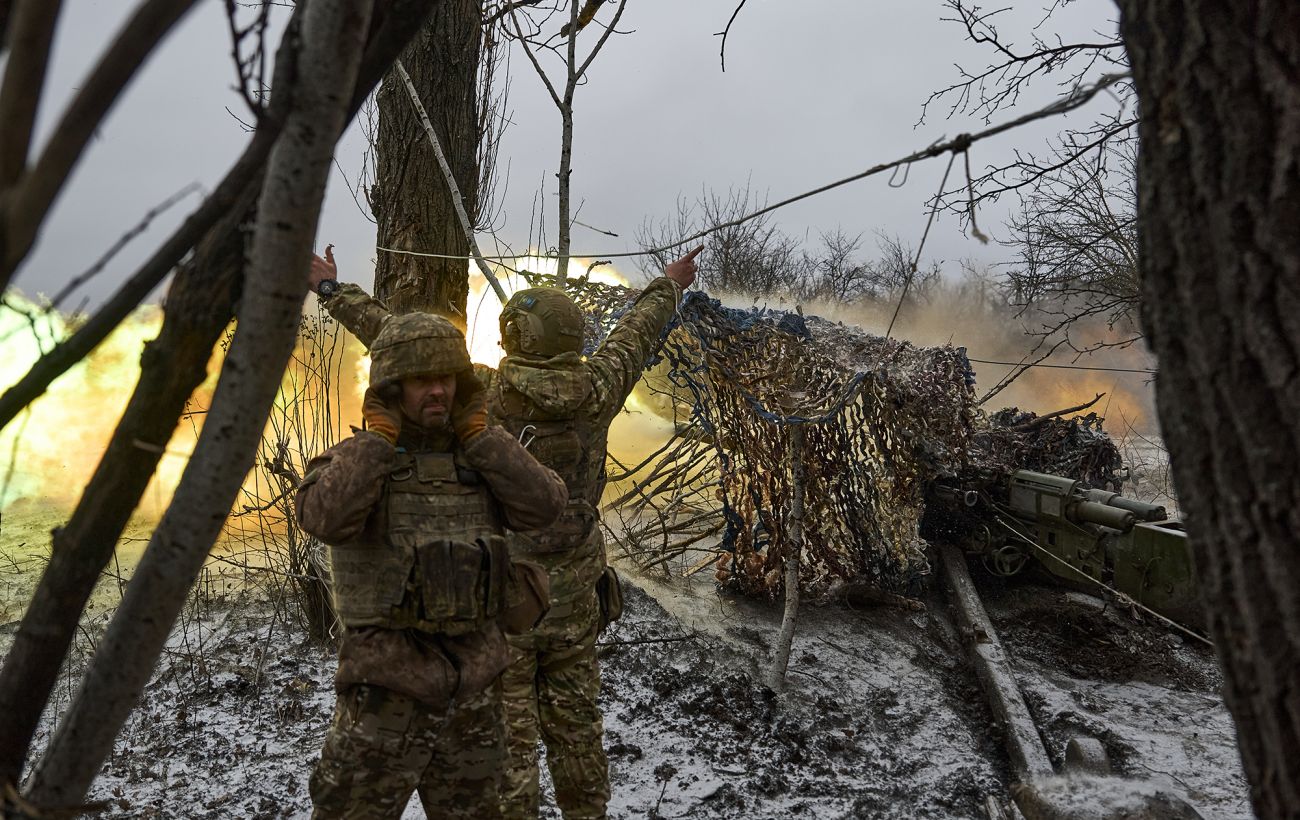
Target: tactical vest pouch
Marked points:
530	601
368	581
450	580
499	576
462	583
609	592
557	445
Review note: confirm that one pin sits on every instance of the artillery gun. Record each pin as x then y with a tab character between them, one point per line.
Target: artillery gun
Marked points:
1059	527
1079	536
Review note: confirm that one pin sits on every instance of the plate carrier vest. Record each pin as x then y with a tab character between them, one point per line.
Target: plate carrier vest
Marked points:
442	567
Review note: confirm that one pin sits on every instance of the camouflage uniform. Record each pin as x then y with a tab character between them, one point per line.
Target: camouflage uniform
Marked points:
568	403
421	575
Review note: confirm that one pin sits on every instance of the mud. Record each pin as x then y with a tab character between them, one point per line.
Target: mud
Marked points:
880	715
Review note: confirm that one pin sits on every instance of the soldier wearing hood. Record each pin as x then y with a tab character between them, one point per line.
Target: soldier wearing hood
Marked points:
560	404
413	510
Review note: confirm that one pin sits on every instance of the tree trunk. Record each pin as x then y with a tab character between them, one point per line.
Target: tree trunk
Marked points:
410	199
199	304
564	217
1218	210
328	49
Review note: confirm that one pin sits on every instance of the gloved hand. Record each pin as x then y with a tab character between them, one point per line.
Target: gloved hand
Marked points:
379	410
469	410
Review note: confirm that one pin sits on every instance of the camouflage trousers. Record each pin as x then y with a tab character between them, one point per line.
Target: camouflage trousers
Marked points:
550	689
382	746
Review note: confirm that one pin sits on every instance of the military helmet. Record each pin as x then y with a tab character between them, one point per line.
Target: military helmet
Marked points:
543	322
417	343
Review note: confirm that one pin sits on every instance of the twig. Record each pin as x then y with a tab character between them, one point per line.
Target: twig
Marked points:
722	51
1032	423
1072	101
122	241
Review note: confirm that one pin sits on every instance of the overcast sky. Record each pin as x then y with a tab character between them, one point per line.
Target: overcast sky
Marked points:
814	90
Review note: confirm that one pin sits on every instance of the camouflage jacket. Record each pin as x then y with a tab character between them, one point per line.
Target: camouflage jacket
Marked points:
340	501
591	389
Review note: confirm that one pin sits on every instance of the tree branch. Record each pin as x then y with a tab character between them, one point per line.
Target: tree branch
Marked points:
32	198
532	58
30	33
722	50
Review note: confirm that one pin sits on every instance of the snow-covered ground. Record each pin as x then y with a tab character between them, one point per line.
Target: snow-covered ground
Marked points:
881	717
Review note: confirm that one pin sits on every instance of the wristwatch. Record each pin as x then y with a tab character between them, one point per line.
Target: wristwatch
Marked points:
327	288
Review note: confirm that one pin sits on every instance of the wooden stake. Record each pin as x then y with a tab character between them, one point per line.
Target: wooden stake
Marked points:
794	543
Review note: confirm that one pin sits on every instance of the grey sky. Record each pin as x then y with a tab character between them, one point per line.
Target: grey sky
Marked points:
813	91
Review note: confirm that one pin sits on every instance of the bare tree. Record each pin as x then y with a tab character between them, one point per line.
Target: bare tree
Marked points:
1076	242
453	65
199	305
888	279
327	56
529	23
1219	253
752	258
835	271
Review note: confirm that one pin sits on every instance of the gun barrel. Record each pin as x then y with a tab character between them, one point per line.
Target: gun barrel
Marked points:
1141	509
1090	512
956	495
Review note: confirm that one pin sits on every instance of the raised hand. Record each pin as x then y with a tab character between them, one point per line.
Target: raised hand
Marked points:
682	271
322	269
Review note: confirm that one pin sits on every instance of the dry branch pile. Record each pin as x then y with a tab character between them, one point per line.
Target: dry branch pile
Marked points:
1020	440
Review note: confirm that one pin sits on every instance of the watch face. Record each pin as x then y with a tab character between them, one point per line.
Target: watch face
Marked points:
327	287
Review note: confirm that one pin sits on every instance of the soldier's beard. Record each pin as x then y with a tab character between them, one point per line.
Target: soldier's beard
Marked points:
432	418
435	418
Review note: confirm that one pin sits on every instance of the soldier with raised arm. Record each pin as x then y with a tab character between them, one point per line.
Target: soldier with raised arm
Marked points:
414	510
561	404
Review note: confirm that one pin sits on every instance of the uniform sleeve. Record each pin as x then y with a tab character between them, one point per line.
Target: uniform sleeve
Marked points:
486	375
531	495
343	486
362	314
616	366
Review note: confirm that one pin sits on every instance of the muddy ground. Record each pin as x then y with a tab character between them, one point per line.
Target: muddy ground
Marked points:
881	716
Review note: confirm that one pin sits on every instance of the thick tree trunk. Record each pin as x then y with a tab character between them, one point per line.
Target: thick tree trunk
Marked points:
1219	232
199	304
410	198
329	50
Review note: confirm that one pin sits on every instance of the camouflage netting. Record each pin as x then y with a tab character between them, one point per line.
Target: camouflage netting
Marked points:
880	418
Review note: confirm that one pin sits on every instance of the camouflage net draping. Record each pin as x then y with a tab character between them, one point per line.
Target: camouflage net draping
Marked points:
880	419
